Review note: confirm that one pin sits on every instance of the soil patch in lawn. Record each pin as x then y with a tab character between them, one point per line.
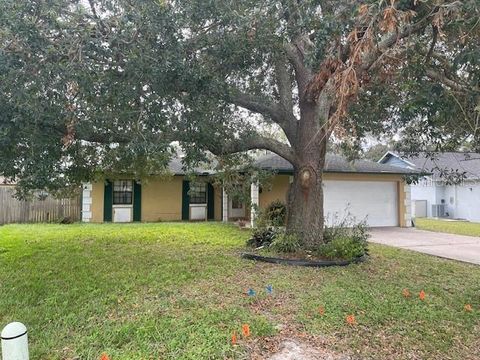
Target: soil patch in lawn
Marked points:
295	349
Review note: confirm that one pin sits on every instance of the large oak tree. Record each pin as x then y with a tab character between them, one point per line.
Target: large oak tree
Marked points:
92	85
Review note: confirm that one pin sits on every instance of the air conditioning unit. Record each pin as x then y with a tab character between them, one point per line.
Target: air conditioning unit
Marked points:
438	210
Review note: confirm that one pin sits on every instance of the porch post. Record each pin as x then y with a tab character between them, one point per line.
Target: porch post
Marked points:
224	205
255	202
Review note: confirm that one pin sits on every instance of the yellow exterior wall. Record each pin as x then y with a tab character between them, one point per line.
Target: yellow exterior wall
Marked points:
162	199
278	191
98	189
280	184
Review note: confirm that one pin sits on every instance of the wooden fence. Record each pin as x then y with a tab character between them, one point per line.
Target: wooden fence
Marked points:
51	209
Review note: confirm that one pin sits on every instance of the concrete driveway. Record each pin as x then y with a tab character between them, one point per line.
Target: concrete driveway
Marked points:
450	246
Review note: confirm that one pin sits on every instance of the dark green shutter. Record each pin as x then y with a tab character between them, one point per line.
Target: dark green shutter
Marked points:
137	201
185	200
210	202
107	201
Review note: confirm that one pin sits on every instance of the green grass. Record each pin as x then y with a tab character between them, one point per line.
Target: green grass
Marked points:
452	227
177	291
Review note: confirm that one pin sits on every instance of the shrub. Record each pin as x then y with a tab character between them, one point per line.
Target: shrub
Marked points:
275	213
345	239
263	236
286	243
269	224
345	248
346	227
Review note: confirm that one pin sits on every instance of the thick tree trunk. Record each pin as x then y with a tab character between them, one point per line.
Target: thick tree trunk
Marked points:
305	203
305	197
305	208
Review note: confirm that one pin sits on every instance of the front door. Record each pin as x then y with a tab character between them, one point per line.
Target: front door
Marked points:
236	209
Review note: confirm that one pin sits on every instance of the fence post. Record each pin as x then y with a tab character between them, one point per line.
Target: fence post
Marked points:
14	342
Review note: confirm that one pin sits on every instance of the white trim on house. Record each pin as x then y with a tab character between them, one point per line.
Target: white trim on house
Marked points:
408	163
86	202
254	196
224	205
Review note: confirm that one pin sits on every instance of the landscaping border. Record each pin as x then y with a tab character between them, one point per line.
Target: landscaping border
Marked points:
307	263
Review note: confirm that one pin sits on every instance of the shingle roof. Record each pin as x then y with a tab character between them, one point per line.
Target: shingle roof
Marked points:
463	162
333	163
175	166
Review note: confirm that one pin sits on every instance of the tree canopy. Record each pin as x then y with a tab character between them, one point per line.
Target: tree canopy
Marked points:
115	85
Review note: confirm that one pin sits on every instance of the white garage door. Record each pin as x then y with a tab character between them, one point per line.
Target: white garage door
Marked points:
375	201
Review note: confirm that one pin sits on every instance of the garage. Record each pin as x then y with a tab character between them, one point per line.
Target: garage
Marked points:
375	201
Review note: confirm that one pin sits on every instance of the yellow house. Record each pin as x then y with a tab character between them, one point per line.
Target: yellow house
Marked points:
364	189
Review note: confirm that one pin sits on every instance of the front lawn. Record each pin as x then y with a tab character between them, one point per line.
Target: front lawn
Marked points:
177	291
452	227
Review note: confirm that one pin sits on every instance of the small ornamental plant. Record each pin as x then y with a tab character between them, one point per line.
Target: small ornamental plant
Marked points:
421	295
246	330
406	293
350	319
468	308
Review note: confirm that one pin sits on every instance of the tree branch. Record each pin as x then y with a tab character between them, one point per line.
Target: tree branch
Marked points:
454	85
295	54
255	104
255	142
295	50
284	84
264	107
389	41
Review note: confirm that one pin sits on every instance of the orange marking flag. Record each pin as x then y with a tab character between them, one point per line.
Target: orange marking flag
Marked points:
246	330
350	319
422	295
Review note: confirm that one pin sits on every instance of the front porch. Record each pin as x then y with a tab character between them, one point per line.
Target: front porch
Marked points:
233	210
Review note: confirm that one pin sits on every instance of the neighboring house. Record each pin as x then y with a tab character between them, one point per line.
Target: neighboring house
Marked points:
366	189
435	195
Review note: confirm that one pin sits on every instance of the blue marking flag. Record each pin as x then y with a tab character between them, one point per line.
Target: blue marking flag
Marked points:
251	292
269	289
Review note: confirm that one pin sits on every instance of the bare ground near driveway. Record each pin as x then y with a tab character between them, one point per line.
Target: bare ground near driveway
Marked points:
450	246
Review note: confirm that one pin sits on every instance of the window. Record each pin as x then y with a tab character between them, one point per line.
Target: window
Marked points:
122	192
198	193
236	203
